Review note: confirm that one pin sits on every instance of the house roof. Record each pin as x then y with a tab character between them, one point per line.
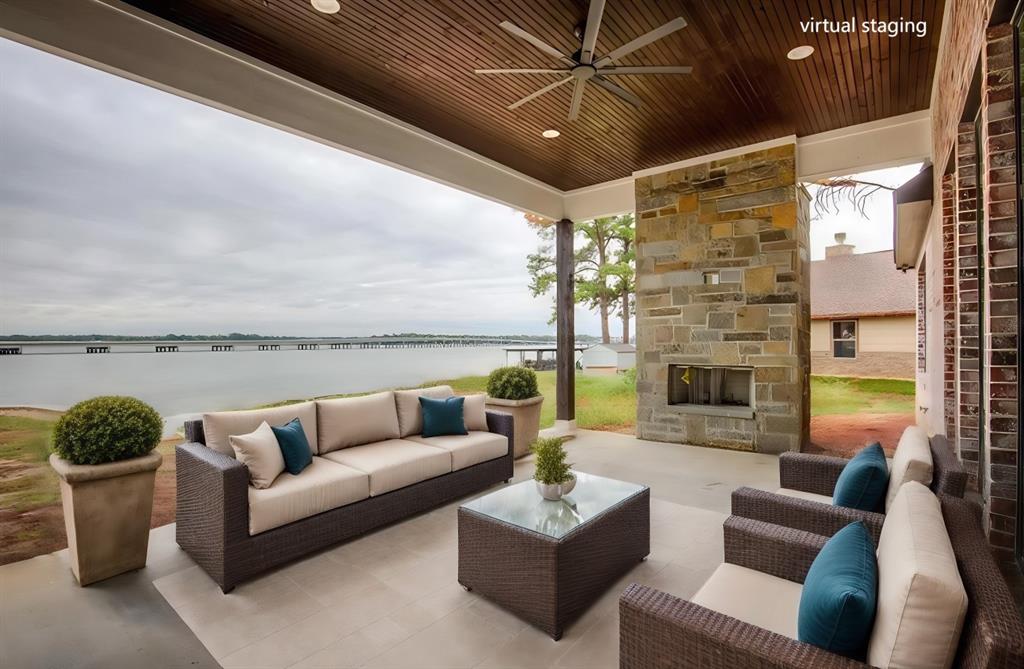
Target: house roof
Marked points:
863	284
618	348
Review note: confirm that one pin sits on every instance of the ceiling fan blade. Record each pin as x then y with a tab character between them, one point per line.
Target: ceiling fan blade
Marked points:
617	90
523	70
535	41
577	100
537	94
642	41
653	69
590	36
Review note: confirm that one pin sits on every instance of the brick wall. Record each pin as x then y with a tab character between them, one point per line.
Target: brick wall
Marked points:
1000	235
949	302
968	391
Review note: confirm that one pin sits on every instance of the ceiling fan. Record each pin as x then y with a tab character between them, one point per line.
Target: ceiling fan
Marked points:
584	67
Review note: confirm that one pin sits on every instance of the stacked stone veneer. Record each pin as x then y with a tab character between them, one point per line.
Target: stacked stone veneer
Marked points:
746	218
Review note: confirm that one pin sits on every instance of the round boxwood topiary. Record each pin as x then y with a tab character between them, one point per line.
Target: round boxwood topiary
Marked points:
107	429
512	383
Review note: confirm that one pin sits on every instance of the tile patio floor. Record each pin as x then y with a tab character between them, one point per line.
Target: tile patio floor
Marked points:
389	599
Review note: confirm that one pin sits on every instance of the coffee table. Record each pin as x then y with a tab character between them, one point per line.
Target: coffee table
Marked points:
547	561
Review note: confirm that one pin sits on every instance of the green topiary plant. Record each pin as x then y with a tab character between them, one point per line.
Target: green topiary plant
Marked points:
512	383
107	429
551	465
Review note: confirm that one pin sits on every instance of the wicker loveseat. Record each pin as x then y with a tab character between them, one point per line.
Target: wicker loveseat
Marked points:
371	466
660	630
815	476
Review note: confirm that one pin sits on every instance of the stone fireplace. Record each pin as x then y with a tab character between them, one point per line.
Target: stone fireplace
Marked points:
723	304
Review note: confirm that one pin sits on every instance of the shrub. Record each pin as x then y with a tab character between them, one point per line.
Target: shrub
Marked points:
106	429
551	464
629	377
512	383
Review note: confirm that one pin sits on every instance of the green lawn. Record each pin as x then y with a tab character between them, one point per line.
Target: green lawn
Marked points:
836	395
25	480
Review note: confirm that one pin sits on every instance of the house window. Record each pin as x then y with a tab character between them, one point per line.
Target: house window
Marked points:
844	339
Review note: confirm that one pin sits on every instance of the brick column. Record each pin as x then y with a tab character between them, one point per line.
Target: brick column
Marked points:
967	302
949	303
1000	228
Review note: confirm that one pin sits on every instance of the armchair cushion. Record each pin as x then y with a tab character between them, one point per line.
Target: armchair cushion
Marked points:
837	604
862	483
468	449
394	463
752	596
921	597
912	461
321	486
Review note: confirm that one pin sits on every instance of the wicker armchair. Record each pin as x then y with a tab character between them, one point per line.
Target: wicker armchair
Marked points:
659	630
817	474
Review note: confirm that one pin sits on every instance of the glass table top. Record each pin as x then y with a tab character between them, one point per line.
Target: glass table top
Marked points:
520	504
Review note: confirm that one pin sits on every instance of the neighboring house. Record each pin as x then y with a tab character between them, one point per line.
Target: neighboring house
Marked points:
609	356
863	315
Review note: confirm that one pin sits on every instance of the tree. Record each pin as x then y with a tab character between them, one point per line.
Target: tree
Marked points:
603	266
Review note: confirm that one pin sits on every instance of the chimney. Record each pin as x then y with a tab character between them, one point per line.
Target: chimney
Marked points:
841	248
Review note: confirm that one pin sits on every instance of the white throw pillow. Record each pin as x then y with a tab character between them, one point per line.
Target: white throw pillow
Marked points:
921	598
912	461
260	452
410	414
474	412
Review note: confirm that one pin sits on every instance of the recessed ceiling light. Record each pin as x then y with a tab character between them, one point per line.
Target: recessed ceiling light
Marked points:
550	134
326	6
800	52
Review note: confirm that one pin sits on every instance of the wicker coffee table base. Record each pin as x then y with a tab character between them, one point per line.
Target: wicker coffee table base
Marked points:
549	582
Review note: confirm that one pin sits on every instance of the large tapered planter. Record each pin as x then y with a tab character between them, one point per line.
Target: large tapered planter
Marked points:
107	511
525	420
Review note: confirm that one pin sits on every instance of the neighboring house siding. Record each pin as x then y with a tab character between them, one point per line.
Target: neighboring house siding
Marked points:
886	348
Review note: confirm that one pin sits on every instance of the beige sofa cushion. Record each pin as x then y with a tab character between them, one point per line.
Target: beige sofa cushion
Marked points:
351	421
260	452
474	412
468	449
800	494
220	425
921	599
912	461
410	415
321	486
395	463
752	596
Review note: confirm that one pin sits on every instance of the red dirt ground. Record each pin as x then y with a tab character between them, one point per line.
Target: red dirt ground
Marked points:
844	435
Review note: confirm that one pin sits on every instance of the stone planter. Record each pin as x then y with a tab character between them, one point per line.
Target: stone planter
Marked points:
525	418
107	511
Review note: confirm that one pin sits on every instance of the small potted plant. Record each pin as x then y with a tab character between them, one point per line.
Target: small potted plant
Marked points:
553	475
513	390
103	454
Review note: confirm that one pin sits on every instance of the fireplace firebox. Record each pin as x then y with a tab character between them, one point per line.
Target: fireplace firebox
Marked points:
712	386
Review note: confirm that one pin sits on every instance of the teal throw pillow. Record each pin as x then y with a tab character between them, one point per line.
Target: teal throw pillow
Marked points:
443	416
294	446
838	600
864	480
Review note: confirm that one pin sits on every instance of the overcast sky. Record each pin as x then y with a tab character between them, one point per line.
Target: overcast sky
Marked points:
126	210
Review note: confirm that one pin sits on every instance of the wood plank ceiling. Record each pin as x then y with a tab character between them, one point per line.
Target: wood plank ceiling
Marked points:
413	60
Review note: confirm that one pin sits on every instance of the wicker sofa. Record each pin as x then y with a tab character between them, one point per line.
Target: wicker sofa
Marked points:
371	466
660	630
807	482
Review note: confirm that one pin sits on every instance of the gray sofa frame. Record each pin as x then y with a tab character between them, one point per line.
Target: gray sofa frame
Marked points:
213	508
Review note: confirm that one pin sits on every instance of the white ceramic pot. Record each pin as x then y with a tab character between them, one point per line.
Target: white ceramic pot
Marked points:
555	491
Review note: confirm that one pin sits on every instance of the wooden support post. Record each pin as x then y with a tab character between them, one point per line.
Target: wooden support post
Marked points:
565	303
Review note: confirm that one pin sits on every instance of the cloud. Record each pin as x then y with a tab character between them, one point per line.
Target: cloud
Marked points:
124	209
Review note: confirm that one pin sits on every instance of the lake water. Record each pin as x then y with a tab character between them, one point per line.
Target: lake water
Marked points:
192	382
